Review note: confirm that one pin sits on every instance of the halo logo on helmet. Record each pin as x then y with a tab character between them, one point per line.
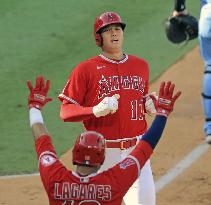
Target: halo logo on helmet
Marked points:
89	149
103	20
110	17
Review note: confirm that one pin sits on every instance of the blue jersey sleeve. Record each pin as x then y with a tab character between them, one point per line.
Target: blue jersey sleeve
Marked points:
153	134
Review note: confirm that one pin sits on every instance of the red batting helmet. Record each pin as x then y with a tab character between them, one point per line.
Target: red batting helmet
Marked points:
103	20
89	149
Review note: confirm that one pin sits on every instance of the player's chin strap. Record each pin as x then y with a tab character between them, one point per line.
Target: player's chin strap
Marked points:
35	116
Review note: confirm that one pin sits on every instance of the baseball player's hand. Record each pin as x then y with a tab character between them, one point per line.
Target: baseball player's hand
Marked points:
38	95
106	106
165	102
149	103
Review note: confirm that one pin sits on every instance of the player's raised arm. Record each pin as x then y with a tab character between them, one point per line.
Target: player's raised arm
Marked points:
133	164
36	100
164	106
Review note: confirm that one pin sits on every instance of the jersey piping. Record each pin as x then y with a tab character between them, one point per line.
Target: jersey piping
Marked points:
113	61
68	99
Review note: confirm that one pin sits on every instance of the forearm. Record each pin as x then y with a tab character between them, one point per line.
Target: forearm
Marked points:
75	113
154	133
37	124
38	130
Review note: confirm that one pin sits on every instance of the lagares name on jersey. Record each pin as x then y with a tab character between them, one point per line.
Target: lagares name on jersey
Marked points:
68	191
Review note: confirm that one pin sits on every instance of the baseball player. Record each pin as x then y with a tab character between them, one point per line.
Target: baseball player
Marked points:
85	185
205	48
109	94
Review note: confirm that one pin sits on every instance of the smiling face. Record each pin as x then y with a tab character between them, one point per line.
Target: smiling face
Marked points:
112	36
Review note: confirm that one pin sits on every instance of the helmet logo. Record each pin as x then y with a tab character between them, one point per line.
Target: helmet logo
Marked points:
110	17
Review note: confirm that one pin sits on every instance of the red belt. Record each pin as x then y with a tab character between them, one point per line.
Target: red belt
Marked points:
123	144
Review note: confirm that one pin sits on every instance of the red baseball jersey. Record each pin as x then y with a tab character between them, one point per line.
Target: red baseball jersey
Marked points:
98	77
65	187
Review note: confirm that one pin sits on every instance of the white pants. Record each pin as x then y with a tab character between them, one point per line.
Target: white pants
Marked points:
143	190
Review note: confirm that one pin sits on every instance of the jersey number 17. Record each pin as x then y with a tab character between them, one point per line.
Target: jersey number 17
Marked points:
137	110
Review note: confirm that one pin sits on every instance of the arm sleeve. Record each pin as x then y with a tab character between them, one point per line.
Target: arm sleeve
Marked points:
75	113
179	5
153	134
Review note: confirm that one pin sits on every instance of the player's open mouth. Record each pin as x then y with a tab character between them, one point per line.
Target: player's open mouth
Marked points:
115	40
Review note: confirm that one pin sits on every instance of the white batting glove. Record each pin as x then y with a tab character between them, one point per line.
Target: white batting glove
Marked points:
149	104
106	106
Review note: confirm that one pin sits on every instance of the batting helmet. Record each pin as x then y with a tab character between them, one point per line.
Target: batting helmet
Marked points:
89	149
103	20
